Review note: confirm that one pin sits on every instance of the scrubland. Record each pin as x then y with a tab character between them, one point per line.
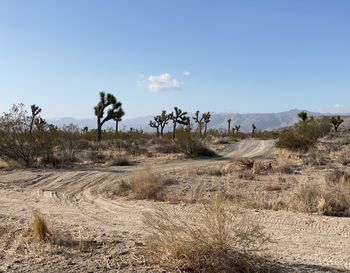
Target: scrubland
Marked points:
136	203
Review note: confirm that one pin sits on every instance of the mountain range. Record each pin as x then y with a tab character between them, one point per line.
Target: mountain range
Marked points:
263	121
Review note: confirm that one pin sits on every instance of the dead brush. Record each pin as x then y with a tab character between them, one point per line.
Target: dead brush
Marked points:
145	184
334	199
40	228
247	164
216	239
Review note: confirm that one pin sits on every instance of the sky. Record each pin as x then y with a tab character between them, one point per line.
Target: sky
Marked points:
221	56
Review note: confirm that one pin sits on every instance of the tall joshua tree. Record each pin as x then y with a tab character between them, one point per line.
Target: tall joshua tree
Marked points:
303	116
114	110
253	130
179	117
199	120
238	127
36	110
207	117
336	121
229	125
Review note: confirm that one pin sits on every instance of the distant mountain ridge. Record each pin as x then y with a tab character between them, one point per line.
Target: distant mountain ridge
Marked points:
263	121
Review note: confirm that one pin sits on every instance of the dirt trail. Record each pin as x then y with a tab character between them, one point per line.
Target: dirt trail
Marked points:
78	197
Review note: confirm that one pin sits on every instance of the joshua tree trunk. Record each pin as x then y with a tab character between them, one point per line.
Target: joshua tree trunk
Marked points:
116	126
200	125
31	124
99	130
229	128
174	129
205	128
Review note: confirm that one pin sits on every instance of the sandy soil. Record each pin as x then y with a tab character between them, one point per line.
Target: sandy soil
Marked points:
81	203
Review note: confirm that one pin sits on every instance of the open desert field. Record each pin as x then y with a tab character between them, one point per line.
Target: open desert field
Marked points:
97	225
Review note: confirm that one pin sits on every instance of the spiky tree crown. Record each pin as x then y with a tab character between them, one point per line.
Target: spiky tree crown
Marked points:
207	117
337	120
303	116
106	100
35	110
196	117
180	117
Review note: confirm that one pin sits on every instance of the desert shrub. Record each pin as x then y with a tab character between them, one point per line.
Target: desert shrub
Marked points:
261	168
214	240
120	161
185	143
303	135
145	184
18	143
318	158
40	228
247	164
246	175
334	194
286	169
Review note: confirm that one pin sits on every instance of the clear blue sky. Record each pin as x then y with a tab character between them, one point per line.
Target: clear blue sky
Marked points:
222	56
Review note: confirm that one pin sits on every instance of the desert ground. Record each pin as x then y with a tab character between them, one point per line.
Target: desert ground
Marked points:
101	228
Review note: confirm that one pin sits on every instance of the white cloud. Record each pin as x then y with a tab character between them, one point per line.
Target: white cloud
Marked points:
161	83
186	73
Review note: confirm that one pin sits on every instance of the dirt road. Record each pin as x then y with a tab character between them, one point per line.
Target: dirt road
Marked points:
80	198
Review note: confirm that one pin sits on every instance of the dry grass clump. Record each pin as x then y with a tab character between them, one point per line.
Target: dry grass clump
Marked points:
286	169
215	241
219	169
335	195
261	168
145	184
40	228
120	161
246	175
247	164
330	197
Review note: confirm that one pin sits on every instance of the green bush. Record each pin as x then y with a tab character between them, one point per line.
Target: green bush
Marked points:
18	143
186	143
304	135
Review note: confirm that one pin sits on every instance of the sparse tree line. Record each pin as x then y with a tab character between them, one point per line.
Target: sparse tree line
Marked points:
25	134
178	117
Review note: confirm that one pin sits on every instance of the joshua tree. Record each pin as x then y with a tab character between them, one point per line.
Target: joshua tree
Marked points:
40	124
155	124
117	120
52	128
36	110
115	111
179	117
336	121
160	121
229	125
253	130
85	129
238	127
303	116
207	117
164	120
200	121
